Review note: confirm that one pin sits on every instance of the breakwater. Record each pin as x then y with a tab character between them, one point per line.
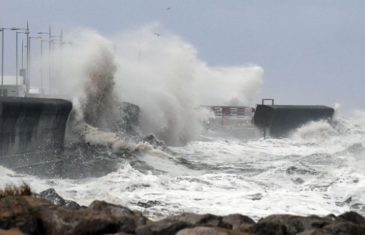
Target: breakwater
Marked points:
32	125
279	120
49	213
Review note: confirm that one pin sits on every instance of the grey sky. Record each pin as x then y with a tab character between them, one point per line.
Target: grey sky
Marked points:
312	51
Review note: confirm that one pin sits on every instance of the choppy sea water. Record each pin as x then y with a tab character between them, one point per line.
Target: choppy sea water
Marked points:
318	169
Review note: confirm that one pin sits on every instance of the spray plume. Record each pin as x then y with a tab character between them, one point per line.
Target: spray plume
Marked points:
162	74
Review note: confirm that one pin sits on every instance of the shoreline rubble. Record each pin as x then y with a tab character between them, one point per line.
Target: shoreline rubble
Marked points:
49	213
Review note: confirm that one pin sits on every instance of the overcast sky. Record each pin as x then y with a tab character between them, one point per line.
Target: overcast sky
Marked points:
312	51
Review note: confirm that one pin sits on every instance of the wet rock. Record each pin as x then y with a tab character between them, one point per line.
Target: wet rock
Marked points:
15	214
345	229
52	196
11	232
315	232
148	204
163	227
201	220
121	233
347	201
289	224
349	223
206	231
237	220
115	210
119	212
353	217
153	140
33	215
300	171
173	224
133	187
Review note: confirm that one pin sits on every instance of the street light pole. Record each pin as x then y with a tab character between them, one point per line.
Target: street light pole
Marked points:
22	54
2	52
49	33
16	59
29	47
41	68
27	74
2	57
16	56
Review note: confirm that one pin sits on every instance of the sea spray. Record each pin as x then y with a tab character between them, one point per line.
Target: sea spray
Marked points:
90	67
162	74
165	77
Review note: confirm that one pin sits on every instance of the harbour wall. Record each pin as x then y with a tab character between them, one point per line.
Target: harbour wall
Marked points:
280	120
32	125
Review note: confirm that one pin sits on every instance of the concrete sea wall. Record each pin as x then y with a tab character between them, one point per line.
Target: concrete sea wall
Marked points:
279	120
32	125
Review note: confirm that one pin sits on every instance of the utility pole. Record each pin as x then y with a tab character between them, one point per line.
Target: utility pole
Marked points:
2	57
27	77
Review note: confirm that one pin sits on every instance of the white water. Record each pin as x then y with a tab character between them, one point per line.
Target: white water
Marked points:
313	172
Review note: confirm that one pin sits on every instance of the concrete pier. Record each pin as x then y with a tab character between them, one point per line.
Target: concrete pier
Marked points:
279	120
32	125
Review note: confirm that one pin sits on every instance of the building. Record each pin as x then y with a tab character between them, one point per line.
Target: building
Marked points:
9	87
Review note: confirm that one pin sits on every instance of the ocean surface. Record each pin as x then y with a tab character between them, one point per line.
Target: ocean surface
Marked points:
230	168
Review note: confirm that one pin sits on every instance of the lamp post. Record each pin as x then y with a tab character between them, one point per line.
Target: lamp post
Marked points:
2	58
16	54
49	33
41	70
2	50
29	47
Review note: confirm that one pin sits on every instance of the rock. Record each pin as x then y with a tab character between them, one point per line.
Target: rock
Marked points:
300	171
52	196
289	224
119	211
35	215
11	232
173	224
206	231
345	228
352	217
349	223
16	214
162	227
237	220
151	139
201	220
148	204
38	216
315	232
111	209
121	233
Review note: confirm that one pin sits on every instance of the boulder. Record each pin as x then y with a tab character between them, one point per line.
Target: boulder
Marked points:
290	224
33	215
36	215
236	221
207	231
52	196
119	212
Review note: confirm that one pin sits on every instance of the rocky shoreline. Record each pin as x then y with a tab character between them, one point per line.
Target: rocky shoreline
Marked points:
48	213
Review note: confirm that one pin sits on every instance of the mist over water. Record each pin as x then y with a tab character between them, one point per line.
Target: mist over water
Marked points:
219	167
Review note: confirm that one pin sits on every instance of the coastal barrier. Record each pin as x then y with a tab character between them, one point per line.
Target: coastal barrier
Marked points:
279	120
32	125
